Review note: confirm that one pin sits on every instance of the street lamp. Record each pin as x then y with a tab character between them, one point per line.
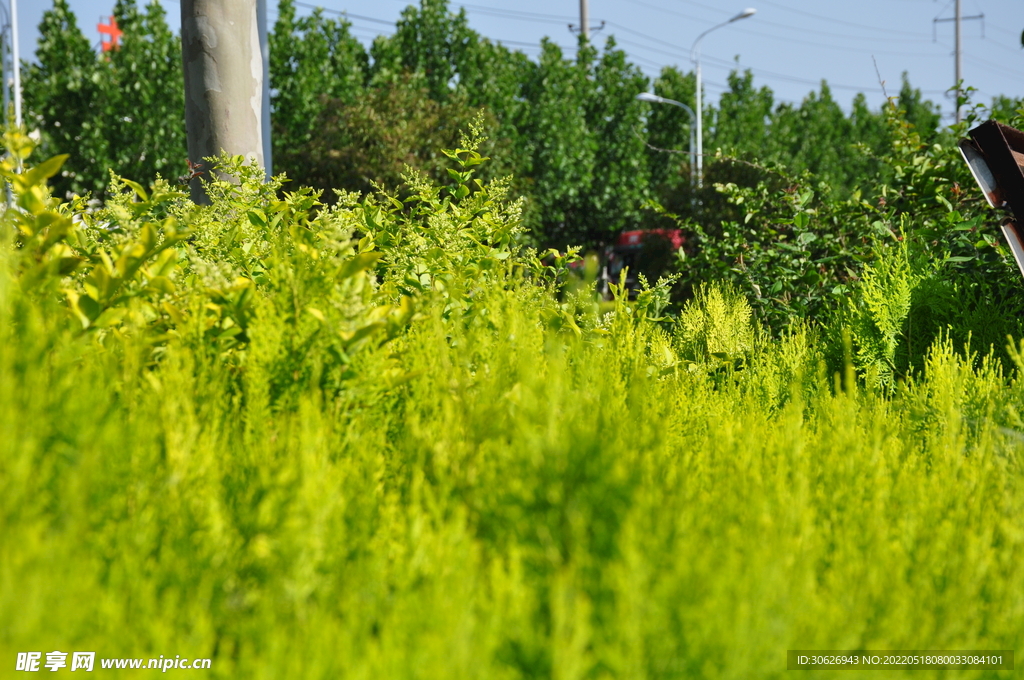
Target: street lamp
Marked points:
695	57
655	99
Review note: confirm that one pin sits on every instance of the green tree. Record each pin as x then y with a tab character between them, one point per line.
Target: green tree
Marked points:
621	181
562	152
377	138
816	137
922	114
121	111
1006	109
668	128
741	122
142	108
428	40
60	92
313	60
493	77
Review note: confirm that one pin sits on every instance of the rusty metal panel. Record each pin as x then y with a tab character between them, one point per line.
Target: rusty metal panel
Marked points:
1003	150
995	155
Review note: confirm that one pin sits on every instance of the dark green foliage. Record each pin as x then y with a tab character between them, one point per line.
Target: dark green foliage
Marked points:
922	114
60	93
428	40
561	149
910	256
668	130
743	121
122	110
375	139
315	64
614	118
583	152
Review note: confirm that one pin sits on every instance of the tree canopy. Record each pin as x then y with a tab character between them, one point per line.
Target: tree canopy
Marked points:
587	156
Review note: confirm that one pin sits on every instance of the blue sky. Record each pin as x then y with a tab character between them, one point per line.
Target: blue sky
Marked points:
791	45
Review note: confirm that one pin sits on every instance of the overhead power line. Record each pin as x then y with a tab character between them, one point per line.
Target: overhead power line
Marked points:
343	13
841	22
724	63
921	37
516	16
863	50
510	12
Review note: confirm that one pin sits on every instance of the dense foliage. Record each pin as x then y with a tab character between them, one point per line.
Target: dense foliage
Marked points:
378	434
120	110
384	439
794	202
584	153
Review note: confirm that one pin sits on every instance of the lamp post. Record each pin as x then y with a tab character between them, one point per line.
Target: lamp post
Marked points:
695	57
655	99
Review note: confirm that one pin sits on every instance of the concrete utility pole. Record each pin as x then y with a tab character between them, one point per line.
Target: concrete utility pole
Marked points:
958	50
5	58
959	67
17	64
224	80
261	17
585	19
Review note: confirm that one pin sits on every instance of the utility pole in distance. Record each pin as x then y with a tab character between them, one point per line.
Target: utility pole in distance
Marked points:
959	68
17	65
585	19
958	50
223	64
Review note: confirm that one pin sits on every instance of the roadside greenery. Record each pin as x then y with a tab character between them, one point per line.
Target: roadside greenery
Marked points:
392	430
586	156
797	199
384	438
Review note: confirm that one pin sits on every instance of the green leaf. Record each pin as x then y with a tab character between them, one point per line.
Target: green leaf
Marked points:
257	218
137	188
806	237
44	171
358	263
110	317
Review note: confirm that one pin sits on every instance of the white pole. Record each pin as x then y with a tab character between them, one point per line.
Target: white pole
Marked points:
17	63
261	18
700	129
585	20
959	64
223	82
5	67
5	61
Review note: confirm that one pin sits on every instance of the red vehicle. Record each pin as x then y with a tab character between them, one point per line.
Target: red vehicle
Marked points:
646	251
